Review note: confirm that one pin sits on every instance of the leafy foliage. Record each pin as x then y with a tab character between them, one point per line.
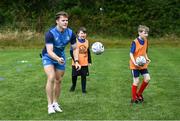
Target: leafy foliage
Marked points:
117	17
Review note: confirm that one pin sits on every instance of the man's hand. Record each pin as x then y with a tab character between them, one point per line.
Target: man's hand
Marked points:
60	60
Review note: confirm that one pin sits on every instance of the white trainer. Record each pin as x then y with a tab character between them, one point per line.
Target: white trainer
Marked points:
51	109
56	107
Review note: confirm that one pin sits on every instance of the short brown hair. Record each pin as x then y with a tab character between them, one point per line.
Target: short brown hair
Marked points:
61	13
142	28
83	29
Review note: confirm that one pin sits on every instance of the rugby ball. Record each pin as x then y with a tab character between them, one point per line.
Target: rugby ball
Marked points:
97	48
141	60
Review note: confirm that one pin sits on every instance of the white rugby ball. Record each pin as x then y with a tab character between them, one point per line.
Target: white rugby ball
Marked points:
141	60
97	48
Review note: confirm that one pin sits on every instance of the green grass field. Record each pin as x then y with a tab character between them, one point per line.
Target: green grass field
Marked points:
22	87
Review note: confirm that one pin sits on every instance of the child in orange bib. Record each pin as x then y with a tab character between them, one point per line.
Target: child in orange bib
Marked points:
139	47
84	59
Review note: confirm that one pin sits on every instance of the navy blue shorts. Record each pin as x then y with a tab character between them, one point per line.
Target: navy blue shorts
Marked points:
46	60
136	72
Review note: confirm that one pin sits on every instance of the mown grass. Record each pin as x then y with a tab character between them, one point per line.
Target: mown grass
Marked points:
22	84
32	39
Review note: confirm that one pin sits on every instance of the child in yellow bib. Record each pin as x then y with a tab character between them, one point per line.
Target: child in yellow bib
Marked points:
84	59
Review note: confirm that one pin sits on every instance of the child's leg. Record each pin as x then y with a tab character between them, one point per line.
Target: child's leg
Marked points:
74	80
83	83
134	87
135	74
144	83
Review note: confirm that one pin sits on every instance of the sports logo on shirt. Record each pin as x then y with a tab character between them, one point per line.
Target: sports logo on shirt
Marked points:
68	38
56	38
44	62
82	49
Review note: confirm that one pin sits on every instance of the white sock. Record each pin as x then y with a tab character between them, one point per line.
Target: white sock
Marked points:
55	103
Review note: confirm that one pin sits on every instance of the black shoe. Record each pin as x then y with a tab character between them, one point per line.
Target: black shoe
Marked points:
140	98
134	101
72	89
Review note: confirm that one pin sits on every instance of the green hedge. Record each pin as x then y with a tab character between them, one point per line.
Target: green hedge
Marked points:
110	17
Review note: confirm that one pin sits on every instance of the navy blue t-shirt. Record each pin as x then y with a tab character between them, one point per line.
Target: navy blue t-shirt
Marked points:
50	39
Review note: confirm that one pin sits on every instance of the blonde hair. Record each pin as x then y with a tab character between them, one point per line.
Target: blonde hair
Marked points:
142	28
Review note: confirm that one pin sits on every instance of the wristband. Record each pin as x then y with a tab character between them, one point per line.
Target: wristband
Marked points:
76	61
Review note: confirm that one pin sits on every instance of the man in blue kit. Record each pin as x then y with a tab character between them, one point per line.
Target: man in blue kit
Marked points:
53	58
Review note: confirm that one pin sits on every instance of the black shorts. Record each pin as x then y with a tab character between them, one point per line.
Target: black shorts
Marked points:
84	71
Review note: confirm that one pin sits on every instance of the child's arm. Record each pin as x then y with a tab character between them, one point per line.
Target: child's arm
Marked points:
133	60
148	60
89	57
133	48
